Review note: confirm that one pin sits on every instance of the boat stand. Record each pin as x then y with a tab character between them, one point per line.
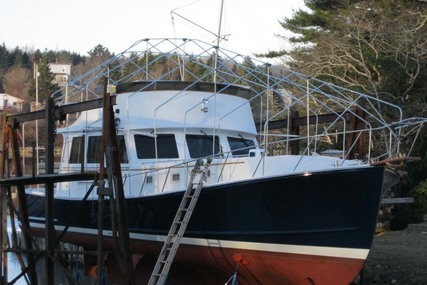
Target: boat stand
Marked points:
112	171
10	145
108	180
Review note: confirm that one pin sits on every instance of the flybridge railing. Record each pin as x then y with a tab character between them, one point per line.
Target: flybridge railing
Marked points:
277	94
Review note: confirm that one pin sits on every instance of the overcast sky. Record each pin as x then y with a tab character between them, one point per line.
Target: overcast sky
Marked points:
79	25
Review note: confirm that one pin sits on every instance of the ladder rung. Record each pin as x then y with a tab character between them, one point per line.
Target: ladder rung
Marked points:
177	229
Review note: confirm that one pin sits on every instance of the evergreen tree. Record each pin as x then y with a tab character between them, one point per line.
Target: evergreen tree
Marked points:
50	56
4	55
13	57
45	78
26	62
195	69
17	54
377	47
99	51
3	66
37	56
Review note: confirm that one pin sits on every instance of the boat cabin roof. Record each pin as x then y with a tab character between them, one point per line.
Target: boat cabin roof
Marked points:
138	86
144	105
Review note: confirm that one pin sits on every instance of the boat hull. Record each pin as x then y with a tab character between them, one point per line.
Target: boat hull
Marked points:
309	228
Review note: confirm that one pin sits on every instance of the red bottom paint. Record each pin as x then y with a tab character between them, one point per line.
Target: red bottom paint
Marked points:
214	265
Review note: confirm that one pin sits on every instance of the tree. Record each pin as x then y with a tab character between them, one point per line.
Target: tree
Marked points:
194	69
73	58
377	47
99	51
17	82
4	55
46	87
97	55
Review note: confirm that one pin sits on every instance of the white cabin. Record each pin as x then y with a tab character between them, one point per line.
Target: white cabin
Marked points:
162	132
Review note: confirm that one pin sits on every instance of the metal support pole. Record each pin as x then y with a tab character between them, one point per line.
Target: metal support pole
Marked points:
32	274
3	235
109	150
49	202
101	192
4	172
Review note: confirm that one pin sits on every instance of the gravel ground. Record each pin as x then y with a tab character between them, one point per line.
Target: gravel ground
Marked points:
398	258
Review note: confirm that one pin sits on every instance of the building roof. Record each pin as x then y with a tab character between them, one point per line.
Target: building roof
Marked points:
12	101
57	68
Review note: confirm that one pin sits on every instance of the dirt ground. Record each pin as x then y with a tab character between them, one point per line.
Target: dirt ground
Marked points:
398	258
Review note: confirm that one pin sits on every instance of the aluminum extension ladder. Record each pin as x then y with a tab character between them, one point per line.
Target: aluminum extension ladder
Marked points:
179	225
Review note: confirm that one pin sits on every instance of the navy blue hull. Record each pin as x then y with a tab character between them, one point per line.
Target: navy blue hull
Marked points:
334	209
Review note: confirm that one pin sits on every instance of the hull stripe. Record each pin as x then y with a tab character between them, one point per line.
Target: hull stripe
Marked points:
350	253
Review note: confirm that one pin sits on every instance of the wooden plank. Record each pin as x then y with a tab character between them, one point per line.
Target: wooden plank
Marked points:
45	178
60	111
397	200
395	160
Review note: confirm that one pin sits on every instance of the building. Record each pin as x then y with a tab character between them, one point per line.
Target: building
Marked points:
13	103
61	73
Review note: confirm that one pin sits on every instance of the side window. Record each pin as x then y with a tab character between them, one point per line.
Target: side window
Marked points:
123	153
94	143
202	145
76	149
240	146
166	146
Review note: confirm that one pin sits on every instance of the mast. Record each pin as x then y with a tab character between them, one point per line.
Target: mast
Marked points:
218	39
217	35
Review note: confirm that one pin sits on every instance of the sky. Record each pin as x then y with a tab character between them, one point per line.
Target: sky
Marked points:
78	26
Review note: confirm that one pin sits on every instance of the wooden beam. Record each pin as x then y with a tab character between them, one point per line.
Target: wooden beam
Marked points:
59	112
45	178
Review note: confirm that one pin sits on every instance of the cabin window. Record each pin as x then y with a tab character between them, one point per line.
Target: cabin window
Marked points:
240	146
94	143
202	145
166	146
76	149
123	154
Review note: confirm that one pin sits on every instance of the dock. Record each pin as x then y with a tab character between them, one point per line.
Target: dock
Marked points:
51	253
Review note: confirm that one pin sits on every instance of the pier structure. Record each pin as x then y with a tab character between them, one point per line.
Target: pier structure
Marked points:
108	182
